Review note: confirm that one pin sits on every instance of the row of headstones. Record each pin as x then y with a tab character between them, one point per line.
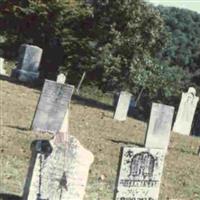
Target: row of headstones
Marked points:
141	169
185	115
58	170
27	69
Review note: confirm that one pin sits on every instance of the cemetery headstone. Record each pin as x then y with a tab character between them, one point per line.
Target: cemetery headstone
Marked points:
2	70
58	172
28	63
140	174
52	107
122	106
61	78
186	112
159	128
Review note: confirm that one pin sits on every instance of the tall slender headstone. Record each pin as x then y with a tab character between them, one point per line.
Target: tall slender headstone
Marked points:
140	174
58	170
52	107
2	70
159	128
122	106
61	78
28	63
186	112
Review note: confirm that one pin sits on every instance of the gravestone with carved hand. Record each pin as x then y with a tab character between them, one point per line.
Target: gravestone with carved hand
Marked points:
186	111
140	174
52	107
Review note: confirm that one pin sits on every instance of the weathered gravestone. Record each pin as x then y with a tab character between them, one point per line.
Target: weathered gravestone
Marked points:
58	171
159	128
140	174
52	107
28	63
61	78
122	106
2	70
186	112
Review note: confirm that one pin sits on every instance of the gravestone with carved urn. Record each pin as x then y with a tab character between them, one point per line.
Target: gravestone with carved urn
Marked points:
140	174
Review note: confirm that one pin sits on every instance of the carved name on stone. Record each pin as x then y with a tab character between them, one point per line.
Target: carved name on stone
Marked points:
52	107
186	112
140	174
159	128
122	106
59	173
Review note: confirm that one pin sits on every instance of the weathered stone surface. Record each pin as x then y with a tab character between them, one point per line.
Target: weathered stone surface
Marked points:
186	112
61	78
52	107
159	128
28	63
122	106
140	174
2	70
60	171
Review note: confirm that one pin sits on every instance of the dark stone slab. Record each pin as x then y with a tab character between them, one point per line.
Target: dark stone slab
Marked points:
28	63
52	106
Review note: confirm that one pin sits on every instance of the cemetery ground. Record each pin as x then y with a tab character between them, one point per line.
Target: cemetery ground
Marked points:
95	128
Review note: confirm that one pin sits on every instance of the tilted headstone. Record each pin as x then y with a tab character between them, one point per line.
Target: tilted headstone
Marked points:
52	107
122	106
58	172
61	78
159	128
28	63
2	70
186	112
140	174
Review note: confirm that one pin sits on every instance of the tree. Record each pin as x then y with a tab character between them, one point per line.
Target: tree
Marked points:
183	49
114	41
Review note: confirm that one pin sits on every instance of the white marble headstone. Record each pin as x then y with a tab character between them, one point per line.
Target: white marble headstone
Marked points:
159	128
2	70
61	78
61	174
122	106
186	112
140	174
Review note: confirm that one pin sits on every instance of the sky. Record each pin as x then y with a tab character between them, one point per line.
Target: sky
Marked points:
188	4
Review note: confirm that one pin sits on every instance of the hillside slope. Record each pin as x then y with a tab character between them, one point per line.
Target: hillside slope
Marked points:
99	133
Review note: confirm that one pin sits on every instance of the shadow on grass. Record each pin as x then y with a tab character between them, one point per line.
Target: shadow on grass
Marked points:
91	103
126	143
4	196
19	128
37	85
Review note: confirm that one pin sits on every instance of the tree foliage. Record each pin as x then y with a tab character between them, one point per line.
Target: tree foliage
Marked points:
183	49
114	41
